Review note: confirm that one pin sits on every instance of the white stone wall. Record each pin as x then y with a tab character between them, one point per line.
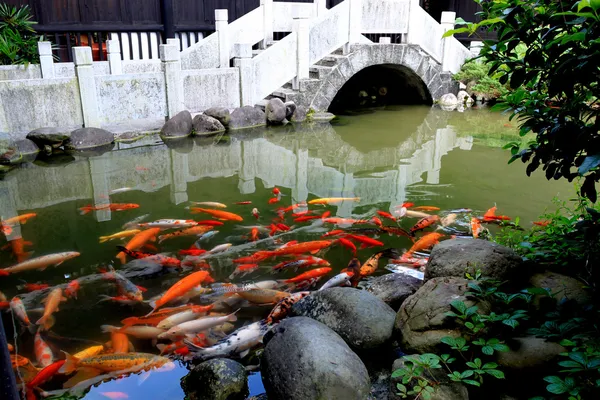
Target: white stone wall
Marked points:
217	87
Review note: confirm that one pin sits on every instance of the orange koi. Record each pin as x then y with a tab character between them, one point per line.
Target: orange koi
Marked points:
476	228
305	218
425	243
254	234
334	232
45	374
180	288
325	214
43	354
366	241
243	270
274	200
112	207
18	248
313	273
542	223
344	221
490	213
192	252
300	248
222	215
276	191
424	223
377	221
112	362
209	223
406	205
282	309
193	231
6	229
32	287
138	241
426	208
386	215
347	244
165	261
19	219
119	342
52	302
72	289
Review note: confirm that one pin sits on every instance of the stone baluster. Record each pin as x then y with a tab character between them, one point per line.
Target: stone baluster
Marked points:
267	6
222	28
46	60
243	61
301	29
171	59
354	25
82	56
414	25
114	57
447	22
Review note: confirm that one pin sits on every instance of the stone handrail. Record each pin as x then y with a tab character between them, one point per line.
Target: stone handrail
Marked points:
329	32
384	16
425	31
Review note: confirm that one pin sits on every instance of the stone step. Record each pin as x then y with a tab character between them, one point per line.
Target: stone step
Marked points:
285	94
320	71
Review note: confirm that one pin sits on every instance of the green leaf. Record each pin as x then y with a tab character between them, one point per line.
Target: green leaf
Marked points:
471	382
553	379
570	364
495	373
467	373
487	350
588	163
453	31
401	387
398	372
557	388
491	21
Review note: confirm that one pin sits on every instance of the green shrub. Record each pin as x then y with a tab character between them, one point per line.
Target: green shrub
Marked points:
475	74
18	39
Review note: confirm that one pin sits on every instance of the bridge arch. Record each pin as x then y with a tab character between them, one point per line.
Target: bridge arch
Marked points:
403	65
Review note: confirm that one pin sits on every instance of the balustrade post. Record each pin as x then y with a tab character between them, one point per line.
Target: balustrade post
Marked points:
82	56
222	28
302	32
320	7
243	61
354	24
267	6
171	60
46	59
414	27
475	48
447	22
114	57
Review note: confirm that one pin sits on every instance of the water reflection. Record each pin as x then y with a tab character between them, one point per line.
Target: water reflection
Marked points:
318	159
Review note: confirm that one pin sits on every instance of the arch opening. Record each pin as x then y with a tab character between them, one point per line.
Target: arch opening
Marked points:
381	85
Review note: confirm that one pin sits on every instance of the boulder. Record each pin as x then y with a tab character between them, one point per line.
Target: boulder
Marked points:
393	288
446	390
218	379
448	99
529	353
422	321
563	288
178	126
27	147
204	125
49	137
362	319
455	257
304	359
246	117
464	98
299	115
219	113
89	138
290	109
275	111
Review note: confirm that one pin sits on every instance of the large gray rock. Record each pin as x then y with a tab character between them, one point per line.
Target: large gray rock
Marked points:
455	257
446	390
221	114
27	147
299	115
464	98
448	99
218	379
563	288
247	117
205	125
290	109
89	138
177	127
49	137
422	321
275	111
529	353
363	320
393	288
304	359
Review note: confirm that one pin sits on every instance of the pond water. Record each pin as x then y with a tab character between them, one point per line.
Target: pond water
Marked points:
388	157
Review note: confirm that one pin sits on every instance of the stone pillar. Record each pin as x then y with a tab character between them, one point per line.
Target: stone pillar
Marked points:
243	61
114	57
302	30
414	27
46	60
171	60
267	6
222	28
447	22
82	55
475	48
300	190
355	25
320	7
100	185
179	174
249	154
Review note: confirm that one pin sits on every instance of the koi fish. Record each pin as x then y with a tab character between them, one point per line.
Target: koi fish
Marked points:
125	286
347	244
542	223
138	241
41	263
282	309
273	200
416	214
314	273
243	270
244	202
263	296
448	219
43	354
299	248
121	299
119	235
365	240
407	205
255	213
6	229
496	218
222	215
344	221
45	374
393	230
386	215
490	213
197	325
32	287
209	223
192	252
276	191
113	362
341	279
18	308
334	232
424	223
169	223
112	207
134	222
413	261
72	289
139	332
157	317
220	248
52	302
426	208
476	227
425	243
209	204
333	200
18	248
254	234
377	221
305	218
89	352
180	288
183	316
301	262
193	231
19	219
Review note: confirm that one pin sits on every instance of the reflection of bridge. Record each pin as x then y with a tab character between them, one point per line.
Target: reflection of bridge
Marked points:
315	160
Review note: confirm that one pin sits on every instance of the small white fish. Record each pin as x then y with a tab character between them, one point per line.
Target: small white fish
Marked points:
41	263
220	248
137	331
169	223
179	318
197	325
448	219
209	204
342	279
134	222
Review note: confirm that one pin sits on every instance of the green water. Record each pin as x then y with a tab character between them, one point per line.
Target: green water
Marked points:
416	154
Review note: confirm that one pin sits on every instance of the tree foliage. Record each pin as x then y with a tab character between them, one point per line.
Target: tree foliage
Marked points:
554	85
18	39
